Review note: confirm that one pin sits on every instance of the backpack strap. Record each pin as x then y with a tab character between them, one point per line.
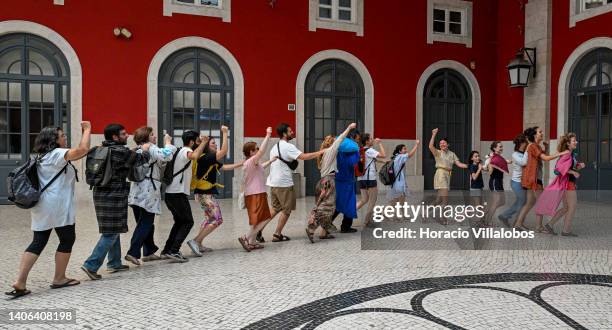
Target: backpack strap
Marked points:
63	170
182	171
400	173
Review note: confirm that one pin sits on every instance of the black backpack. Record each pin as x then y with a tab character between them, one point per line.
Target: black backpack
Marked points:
387	173
169	175
98	168
24	185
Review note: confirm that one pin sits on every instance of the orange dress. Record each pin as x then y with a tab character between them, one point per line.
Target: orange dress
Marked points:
529	180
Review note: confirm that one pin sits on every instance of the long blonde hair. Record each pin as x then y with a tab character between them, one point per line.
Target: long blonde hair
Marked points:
327	142
564	141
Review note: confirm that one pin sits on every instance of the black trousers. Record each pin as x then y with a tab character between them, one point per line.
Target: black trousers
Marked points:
179	206
66	235
347	222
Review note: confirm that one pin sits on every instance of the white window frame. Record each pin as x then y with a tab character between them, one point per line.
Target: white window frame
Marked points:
466	9
579	13
334	23
223	10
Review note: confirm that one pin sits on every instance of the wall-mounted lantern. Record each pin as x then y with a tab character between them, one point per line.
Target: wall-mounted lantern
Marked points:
519	68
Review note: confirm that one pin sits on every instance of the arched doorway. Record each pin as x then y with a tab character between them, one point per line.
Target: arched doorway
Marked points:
590	117
334	98
447	106
196	92
34	93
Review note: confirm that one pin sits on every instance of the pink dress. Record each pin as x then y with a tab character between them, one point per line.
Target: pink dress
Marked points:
549	200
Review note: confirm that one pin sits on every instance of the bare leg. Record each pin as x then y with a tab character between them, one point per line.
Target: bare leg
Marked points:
442	200
61	263
265	223
282	221
255	229
529	203
373	193
539	217
204	232
497	200
560	212
364	198
27	262
572	202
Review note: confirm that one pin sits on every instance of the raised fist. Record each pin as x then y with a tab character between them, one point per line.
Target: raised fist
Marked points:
86	126
268	131
224	129
352	126
434	131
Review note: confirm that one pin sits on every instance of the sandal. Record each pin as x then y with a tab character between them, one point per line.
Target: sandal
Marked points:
550	229
328	236
255	246
70	282
543	230
245	243
279	238
310	236
16	293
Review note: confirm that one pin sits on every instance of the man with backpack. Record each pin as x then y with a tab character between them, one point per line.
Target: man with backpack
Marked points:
177	177
107	176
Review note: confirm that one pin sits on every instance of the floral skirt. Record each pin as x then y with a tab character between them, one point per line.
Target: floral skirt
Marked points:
321	214
211	208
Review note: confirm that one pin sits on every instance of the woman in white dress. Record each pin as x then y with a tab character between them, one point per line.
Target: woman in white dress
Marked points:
55	207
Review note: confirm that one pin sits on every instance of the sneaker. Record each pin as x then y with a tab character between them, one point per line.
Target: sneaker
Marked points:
194	246
177	257
118	269
163	256
153	257
132	259
92	275
260	238
504	221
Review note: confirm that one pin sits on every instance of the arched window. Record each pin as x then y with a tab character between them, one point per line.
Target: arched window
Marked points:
447	106
196	91
590	117
34	93
334	99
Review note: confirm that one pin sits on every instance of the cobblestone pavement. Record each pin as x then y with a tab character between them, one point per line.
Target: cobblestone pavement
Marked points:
331	284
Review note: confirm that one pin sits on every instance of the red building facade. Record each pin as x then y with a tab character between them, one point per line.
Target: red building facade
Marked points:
314	64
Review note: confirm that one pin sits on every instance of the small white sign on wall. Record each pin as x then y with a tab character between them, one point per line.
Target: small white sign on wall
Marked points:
291	107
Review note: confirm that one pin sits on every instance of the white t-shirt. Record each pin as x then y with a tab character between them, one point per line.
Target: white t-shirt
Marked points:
280	173
370	164
55	207
176	186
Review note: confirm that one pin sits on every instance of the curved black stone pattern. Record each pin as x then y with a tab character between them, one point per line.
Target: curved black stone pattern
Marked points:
313	314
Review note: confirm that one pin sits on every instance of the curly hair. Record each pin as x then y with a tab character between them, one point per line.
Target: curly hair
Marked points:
46	140
564	141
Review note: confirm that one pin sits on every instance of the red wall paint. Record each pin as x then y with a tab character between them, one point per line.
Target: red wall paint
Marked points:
564	41
509	101
271	44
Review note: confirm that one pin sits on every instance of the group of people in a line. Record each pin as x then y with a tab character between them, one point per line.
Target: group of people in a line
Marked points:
526	170
342	160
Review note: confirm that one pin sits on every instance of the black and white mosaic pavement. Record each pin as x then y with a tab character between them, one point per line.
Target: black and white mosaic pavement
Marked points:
332	284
